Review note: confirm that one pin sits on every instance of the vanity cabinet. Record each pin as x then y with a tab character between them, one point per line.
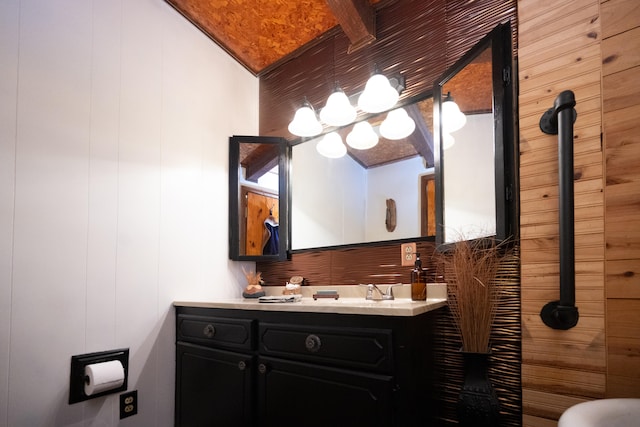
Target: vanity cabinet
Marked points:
214	387
214	371
282	368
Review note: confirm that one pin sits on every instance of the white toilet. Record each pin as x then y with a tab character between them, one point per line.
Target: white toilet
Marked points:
602	413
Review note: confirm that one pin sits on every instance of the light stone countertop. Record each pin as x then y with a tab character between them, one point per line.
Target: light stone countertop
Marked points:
351	301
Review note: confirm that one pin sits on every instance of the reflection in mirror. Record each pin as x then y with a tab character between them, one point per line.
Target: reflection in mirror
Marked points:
343	201
257	198
474	163
469	192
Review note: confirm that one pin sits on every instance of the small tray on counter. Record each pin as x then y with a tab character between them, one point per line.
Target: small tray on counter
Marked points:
326	294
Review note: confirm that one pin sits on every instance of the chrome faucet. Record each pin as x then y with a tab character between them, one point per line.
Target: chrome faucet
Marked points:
385	296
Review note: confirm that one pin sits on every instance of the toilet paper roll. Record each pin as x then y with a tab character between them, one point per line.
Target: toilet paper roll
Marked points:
103	376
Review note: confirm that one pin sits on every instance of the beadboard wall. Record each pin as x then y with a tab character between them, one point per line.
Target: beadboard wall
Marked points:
114	126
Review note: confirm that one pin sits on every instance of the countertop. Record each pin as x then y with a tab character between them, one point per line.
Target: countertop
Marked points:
351	301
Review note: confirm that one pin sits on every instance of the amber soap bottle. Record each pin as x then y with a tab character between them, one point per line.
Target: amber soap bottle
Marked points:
418	281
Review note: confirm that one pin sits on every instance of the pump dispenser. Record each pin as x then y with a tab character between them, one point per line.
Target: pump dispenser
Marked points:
418	281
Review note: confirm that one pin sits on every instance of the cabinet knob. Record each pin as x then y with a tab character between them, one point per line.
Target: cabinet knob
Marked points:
262	368
242	365
312	343
209	331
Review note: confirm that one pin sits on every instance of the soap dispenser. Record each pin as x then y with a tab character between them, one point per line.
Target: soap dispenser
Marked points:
418	281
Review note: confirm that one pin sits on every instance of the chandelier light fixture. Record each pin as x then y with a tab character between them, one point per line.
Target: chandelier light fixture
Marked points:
378	95
452	118
338	111
305	123
362	136
397	125
331	146
447	141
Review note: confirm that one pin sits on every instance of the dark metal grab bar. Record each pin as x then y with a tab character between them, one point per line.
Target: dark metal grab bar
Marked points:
559	120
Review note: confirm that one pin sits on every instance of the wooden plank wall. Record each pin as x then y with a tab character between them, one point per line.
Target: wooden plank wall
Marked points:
559	49
621	110
590	47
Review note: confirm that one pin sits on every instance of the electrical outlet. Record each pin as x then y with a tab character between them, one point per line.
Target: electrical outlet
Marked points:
128	404
408	253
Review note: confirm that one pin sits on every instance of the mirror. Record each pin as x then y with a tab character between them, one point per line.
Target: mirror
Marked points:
258	198
368	195
474	168
469	190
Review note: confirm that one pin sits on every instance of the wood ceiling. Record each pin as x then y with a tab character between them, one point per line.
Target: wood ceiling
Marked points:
260	34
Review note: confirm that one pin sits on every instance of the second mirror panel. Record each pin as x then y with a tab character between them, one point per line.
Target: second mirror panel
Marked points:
468	152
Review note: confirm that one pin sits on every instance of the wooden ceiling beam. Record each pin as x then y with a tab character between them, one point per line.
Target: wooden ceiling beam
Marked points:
421	138
261	160
357	19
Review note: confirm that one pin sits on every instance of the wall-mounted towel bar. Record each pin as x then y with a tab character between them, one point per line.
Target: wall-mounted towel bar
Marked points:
559	120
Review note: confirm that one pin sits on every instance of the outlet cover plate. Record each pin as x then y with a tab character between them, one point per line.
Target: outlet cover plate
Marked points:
128	404
408	254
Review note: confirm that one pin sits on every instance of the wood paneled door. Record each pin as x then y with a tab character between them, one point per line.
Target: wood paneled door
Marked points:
258	207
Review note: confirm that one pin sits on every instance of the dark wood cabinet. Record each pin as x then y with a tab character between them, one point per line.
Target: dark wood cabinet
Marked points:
271	368
302	394
214	387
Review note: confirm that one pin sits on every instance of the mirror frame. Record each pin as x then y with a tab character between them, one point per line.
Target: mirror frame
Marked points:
284	197
499	39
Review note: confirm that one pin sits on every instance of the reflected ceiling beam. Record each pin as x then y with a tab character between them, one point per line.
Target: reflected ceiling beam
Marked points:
260	161
421	138
357	19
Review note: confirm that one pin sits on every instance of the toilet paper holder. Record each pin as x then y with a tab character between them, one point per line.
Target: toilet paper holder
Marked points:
77	378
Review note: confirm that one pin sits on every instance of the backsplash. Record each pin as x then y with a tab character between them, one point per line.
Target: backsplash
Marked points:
379	264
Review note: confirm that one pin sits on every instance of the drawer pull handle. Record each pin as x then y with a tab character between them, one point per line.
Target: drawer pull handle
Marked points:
242	365
209	331
262	368
313	343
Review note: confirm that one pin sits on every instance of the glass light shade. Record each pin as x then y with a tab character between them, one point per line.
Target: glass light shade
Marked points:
331	146
447	141
397	125
305	122
452	118
378	95
362	136
338	111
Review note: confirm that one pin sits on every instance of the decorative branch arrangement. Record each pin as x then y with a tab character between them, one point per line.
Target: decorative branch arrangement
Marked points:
471	270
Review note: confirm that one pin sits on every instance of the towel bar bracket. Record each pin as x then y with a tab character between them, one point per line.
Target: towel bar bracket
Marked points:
549	120
558	316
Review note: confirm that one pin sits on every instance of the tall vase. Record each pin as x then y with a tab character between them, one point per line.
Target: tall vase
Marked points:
478	403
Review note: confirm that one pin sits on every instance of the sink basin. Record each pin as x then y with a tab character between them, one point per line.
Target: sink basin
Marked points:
601	413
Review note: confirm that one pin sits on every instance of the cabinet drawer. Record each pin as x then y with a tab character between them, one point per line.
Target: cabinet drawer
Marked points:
361	348
216	331
303	394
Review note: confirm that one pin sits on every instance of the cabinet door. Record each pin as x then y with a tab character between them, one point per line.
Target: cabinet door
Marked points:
213	387
301	394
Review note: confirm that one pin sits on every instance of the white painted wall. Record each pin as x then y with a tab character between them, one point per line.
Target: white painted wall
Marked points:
342	203
399	181
469	189
114	119
332	208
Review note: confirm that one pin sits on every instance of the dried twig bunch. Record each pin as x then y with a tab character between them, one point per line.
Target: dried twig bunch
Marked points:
471	270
